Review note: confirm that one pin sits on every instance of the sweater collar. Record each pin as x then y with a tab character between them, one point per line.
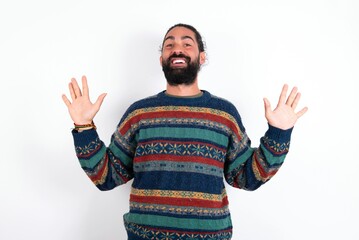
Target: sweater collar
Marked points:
200	98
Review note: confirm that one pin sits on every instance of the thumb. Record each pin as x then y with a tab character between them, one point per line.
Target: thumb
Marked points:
99	100
267	106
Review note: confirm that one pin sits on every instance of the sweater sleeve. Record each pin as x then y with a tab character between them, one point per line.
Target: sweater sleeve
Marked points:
248	168
107	167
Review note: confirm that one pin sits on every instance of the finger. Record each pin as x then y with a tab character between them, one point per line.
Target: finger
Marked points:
99	100
72	92
292	96
301	112
66	100
296	100
85	88
76	88
283	95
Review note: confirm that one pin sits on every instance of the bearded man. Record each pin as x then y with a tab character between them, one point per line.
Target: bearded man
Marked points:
178	146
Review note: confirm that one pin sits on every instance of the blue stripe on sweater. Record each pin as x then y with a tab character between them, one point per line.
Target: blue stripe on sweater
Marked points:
180	181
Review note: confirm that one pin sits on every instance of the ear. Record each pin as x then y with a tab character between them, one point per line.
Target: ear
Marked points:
202	57
161	59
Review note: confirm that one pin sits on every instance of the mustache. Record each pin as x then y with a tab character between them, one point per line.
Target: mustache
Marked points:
181	55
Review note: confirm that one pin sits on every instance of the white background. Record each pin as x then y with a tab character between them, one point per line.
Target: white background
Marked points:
254	47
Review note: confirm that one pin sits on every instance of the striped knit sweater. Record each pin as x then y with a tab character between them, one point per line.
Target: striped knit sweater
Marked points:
178	151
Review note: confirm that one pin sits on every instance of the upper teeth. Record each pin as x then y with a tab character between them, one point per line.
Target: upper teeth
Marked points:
178	61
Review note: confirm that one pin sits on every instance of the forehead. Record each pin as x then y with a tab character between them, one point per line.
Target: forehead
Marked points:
180	33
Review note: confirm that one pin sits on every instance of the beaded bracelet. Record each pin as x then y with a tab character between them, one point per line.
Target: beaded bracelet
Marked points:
85	126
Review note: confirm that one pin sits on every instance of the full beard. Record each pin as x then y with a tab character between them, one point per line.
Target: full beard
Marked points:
177	76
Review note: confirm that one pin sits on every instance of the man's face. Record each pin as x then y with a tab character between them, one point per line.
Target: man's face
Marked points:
181	59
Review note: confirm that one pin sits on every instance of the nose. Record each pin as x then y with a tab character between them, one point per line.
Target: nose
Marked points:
177	49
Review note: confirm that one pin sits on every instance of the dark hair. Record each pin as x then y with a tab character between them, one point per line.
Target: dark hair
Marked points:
201	44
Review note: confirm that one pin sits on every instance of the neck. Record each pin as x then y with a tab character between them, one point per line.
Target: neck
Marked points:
183	90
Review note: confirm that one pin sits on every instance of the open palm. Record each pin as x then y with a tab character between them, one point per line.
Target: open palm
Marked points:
81	109
284	115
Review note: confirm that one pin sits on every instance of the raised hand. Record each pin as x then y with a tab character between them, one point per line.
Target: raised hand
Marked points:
81	109
284	115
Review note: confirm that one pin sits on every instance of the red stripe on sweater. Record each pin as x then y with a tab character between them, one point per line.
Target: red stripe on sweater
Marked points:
90	153
236	178
264	174
100	172
179	201
125	179
175	158
180	114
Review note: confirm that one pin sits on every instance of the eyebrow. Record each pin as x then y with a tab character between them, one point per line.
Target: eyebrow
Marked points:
182	38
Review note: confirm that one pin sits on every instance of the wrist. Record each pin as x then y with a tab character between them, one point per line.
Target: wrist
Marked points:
82	127
83	123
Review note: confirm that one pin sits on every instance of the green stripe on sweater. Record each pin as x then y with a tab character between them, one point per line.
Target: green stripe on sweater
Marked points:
192	133
94	160
272	159
184	223
120	155
241	159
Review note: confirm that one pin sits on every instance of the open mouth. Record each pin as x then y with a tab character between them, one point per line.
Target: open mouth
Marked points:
178	62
